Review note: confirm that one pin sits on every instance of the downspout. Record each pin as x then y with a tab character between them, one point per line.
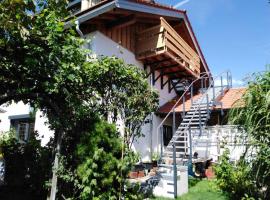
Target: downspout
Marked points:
78	28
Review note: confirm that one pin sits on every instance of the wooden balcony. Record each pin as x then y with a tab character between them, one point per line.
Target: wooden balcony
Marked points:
163	43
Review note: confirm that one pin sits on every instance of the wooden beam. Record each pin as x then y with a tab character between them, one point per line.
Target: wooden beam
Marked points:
158	62
166	66
122	22
176	72
159	76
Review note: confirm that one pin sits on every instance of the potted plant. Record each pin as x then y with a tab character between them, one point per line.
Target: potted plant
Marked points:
155	158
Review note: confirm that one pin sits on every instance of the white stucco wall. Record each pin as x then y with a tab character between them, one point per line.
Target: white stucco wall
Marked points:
21	109
102	45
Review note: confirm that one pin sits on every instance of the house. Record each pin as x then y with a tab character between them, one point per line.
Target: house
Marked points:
160	40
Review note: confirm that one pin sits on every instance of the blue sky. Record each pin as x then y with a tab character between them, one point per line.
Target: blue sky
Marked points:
233	34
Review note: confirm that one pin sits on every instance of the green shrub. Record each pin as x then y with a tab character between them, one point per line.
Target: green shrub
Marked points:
101	167
234	179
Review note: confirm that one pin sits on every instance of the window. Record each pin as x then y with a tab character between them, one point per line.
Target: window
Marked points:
23	125
167	134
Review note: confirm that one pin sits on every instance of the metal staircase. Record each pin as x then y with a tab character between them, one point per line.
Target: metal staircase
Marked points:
195	118
179	150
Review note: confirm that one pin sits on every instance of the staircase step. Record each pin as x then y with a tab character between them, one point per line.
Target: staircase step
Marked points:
195	116
192	119
193	123
178	154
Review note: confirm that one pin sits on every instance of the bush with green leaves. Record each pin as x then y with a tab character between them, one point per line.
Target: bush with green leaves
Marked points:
234	178
27	167
250	177
103	164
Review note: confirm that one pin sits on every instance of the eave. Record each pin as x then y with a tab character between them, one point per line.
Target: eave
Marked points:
138	6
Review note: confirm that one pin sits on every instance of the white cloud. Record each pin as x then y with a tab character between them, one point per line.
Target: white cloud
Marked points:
181	3
235	82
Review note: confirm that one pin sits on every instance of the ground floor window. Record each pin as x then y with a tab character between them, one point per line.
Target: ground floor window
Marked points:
167	134
24	127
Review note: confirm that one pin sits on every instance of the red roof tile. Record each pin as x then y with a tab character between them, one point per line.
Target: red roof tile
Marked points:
231	98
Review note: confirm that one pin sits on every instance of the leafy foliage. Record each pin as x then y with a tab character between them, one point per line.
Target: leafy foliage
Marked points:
124	94
234	179
27	166
251	176
100	154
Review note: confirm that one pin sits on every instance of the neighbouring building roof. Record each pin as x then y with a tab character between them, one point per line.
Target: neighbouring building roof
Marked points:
231	96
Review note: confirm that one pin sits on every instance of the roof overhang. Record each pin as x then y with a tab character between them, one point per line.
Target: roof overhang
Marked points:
150	8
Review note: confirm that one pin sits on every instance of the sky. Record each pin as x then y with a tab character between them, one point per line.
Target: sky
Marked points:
233	34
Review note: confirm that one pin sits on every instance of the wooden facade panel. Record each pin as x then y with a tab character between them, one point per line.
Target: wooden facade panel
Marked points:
126	36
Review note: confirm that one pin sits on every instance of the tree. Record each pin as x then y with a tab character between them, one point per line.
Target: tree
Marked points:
43	64
123	93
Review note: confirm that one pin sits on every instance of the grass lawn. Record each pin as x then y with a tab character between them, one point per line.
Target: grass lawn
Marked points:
201	190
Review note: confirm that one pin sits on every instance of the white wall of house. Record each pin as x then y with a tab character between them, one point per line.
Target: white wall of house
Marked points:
102	45
23	109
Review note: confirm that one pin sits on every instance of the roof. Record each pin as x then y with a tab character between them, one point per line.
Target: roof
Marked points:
228	101
231	98
145	7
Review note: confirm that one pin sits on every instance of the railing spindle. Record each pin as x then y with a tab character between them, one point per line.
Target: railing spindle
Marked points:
184	107
221	80
161	142
200	121
191	94
207	102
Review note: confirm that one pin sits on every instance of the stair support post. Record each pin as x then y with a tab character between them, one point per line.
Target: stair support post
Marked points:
161	142
202	83
174	172
173	121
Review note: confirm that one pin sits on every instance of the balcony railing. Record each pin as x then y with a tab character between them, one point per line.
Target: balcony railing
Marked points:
164	40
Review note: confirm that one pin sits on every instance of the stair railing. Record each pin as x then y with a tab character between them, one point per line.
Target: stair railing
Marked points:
204	75
205	95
